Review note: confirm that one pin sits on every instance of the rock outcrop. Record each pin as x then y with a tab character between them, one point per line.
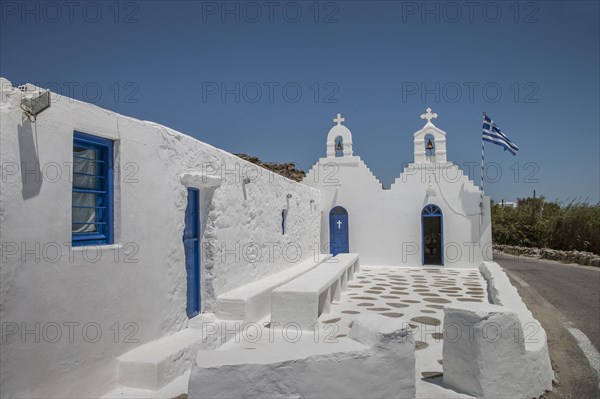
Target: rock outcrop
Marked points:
288	169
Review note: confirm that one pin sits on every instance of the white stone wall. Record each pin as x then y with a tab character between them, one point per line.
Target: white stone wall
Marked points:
498	349
385	225
376	360
141	280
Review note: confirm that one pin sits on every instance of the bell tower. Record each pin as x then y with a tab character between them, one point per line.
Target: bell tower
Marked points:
430	142
339	139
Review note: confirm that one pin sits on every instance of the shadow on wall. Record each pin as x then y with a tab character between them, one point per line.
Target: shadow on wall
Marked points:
206	198
467	199
31	175
474	218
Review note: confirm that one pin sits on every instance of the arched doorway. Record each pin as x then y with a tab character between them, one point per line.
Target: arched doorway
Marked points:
338	231
433	235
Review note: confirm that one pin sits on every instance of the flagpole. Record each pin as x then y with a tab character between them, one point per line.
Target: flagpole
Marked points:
482	167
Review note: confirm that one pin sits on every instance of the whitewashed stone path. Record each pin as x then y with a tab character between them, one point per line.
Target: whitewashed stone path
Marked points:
417	295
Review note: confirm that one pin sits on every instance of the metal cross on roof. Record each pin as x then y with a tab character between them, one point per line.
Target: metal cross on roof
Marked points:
429	115
339	119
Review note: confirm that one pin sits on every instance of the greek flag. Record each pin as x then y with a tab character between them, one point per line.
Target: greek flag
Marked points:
493	134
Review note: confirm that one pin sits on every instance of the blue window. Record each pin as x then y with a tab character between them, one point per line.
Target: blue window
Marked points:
92	213
283	217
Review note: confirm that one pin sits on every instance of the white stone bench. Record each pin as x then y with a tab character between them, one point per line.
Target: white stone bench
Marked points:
305	298
377	360
252	302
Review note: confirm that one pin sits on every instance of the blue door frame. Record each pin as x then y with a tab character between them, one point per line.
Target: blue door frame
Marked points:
432	235
191	244
339	242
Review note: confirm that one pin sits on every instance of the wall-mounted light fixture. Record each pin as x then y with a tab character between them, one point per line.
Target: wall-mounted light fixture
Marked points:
312	201
246	180
289	196
35	102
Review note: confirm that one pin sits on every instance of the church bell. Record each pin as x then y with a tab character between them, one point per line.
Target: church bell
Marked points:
429	145
339	146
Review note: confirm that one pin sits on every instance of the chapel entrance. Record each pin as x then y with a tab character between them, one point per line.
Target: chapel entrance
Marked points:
431	220
339	242
191	245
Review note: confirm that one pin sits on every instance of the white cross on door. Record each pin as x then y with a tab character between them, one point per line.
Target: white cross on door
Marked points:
339	223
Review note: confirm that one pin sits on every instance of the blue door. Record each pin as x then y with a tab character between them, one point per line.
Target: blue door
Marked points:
191	244
433	235
338	231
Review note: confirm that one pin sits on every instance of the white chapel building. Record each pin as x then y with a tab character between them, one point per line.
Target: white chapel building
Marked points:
431	214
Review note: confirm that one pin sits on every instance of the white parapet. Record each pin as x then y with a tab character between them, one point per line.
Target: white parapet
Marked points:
496	350
378	360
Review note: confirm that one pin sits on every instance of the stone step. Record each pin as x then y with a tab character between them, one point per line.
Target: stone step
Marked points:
174	389
157	363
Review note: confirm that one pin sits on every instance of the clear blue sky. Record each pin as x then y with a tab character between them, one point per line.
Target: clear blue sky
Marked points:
372	61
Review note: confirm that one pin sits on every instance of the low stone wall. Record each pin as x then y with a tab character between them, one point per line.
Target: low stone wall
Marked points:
498	349
377	360
580	257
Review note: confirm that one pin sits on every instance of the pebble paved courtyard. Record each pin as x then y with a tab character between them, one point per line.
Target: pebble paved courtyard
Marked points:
417	296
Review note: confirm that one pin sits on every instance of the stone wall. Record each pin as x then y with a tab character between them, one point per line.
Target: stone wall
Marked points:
497	349
580	257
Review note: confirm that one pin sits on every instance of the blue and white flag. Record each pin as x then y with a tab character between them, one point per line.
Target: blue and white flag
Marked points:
493	134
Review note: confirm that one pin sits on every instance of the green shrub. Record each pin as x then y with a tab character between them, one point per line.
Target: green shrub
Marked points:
537	223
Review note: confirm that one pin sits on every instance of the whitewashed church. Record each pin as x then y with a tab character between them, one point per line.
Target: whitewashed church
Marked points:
139	262
431	214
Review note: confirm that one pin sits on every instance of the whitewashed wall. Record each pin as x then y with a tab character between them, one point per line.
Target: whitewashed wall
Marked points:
46	291
385	225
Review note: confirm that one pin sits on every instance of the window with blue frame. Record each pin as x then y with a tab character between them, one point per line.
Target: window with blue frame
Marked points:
92	213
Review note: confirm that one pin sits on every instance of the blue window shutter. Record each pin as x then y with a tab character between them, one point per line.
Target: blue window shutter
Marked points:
92	192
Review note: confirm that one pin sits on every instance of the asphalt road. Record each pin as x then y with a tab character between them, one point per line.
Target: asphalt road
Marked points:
562	297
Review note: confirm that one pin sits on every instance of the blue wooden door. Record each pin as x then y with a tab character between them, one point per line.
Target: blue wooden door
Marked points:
191	244
339	242
432	235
